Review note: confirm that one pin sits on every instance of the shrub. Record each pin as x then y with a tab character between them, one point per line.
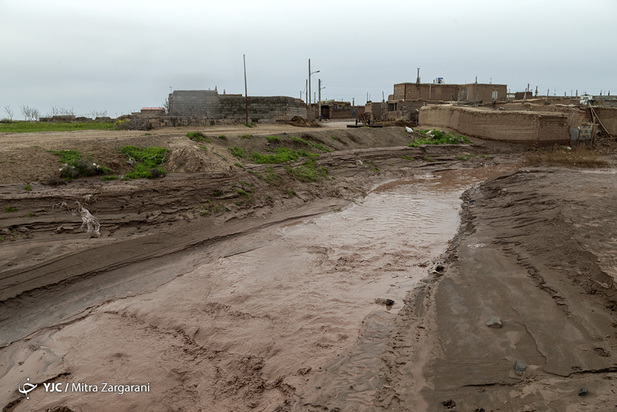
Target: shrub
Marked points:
246	136
222	137
149	160
75	165
273	139
438	137
28	188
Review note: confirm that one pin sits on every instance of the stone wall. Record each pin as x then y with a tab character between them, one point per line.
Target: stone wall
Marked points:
533	128
232	108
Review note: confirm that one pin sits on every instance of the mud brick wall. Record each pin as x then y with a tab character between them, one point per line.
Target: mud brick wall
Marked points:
232	108
533	128
608	117
276	108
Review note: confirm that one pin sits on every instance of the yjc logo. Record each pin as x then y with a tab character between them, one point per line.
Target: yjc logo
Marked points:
26	387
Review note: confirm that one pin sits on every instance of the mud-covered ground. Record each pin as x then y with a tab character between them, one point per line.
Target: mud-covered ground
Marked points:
535	249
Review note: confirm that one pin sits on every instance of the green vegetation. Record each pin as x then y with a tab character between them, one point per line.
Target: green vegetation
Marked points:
311	144
148	160
428	159
271	177
281	155
464	157
31	127
410	158
222	137
197	137
246	136
290	192
307	171
67	156
109	177
30	214
204	148
76	165
238	152
10	209
240	165
438	137
273	139
250	124
27	188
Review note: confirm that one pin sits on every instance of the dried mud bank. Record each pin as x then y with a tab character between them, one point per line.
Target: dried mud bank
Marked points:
537	250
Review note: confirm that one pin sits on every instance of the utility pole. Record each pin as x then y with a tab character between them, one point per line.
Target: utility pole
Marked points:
246	95
311	113
309	84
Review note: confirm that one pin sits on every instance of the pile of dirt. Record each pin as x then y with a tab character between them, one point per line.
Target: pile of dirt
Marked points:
302	122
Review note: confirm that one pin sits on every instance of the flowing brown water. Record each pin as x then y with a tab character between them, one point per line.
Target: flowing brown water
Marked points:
298	305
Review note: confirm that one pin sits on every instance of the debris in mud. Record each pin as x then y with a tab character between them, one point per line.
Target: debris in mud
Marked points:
519	367
87	220
583	391
494	322
449	404
382	301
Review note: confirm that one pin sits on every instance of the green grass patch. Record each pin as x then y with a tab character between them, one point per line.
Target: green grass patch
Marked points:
428	159
33	127
222	137
271	177
238	152
67	156
149	160
434	136
204	148
246	136
410	158
317	146
307	171
197	137
10	209
281	155
109	178
240	165
273	139
28	187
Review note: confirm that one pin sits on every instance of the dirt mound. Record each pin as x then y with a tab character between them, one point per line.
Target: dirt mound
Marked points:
302	122
189	157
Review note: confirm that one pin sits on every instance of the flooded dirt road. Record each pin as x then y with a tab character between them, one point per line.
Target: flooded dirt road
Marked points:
291	316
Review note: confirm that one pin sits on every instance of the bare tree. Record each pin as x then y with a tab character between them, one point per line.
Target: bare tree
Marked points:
9	111
30	113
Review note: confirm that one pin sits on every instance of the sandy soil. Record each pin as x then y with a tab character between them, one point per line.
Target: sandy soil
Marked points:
217	301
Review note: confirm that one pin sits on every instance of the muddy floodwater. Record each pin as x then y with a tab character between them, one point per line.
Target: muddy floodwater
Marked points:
300	305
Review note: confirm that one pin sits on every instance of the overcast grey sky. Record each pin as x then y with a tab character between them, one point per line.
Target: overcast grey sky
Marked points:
118	56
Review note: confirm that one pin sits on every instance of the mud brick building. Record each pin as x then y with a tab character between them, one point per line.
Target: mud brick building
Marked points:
472	92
